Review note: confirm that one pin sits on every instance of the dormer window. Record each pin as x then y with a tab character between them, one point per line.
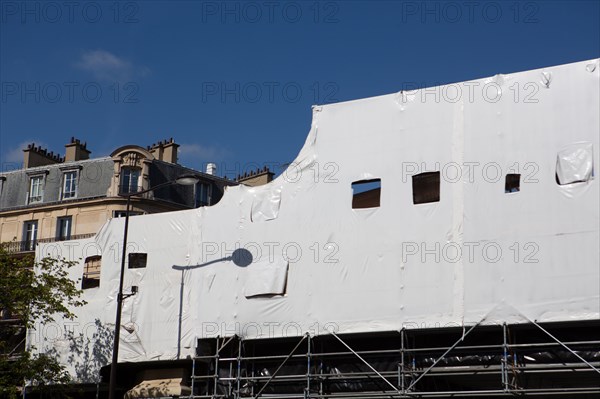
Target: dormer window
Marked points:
132	170
69	188
202	194
130	180
36	189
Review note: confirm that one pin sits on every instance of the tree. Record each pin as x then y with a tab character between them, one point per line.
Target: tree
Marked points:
31	292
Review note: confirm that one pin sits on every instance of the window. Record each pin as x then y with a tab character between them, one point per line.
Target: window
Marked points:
36	191
63	228
426	187
91	272
513	183
69	185
129	180
2	178
202	194
121	214
366	194
137	260
30	230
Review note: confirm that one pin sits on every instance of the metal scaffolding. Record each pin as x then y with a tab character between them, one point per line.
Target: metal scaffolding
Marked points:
561	359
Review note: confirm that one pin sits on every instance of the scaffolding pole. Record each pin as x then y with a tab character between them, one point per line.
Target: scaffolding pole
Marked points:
441	357
565	346
280	366
366	363
313	373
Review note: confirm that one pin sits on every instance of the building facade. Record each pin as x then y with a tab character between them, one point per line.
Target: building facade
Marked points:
56	198
375	281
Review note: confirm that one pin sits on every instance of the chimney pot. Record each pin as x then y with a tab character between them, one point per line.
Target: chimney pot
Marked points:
170	150
76	151
37	156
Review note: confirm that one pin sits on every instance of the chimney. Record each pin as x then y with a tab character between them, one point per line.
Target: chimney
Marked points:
170	150
75	151
211	169
165	150
157	150
37	156
256	178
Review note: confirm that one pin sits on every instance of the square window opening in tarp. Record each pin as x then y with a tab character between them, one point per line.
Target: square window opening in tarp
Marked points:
512	183
426	187
366	194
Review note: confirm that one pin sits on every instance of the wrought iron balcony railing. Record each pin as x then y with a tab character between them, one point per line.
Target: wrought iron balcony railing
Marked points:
128	189
29	245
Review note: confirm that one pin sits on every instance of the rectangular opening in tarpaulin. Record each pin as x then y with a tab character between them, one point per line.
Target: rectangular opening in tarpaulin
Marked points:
366	194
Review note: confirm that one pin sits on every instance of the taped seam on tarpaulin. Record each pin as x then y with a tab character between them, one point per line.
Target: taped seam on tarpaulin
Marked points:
458	214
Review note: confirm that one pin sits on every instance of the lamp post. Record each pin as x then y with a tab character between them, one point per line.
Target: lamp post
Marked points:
185	180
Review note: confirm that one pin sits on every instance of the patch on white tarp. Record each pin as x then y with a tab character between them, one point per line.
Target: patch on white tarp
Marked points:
266	278
265	205
575	164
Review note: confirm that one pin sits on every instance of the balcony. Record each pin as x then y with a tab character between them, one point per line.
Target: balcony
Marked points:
128	189
28	246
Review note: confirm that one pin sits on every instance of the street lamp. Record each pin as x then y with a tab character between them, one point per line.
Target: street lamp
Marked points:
184	180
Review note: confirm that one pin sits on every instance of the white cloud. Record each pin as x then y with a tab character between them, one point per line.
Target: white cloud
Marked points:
105	66
194	154
14	155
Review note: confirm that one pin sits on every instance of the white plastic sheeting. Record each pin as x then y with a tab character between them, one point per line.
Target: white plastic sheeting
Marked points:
266	278
317	265
575	164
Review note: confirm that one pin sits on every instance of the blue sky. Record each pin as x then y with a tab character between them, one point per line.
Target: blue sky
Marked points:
233	82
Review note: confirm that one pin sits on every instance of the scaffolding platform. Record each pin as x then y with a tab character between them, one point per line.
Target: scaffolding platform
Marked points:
560	359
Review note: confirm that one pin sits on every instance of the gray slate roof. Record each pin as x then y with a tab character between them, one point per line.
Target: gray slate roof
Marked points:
94	180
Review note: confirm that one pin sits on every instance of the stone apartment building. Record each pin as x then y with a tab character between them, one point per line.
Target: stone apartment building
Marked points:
56	198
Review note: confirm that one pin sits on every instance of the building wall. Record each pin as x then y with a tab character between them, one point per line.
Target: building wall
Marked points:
97	195
87	217
94	178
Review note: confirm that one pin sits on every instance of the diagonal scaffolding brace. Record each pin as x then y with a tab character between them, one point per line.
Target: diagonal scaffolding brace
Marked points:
412	384
226	343
237	372
365	362
565	346
280	366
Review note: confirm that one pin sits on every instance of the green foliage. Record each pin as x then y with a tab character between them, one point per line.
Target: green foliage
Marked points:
31	292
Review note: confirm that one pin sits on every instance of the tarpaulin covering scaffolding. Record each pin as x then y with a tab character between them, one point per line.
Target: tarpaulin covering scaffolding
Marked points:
480	207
